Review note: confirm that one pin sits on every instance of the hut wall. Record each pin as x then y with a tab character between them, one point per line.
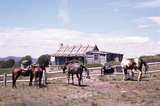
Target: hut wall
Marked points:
63	60
102	58
90	59
114	57
59	60
95	58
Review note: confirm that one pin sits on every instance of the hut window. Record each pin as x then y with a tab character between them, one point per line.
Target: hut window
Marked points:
96	57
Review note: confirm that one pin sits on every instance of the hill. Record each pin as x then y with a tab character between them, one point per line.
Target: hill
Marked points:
17	59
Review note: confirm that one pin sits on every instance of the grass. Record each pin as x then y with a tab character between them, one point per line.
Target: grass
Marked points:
145	77
111	77
5	70
109	90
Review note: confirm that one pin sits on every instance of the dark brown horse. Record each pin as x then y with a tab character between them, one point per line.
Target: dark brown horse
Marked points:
107	69
133	65
75	68
34	72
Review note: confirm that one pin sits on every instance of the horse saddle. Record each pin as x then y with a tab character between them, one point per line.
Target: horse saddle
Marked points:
24	70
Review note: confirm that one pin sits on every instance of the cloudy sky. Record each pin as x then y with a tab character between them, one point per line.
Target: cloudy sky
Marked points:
36	27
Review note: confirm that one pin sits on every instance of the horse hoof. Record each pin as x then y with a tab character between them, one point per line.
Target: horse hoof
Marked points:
40	86
14	87
30	84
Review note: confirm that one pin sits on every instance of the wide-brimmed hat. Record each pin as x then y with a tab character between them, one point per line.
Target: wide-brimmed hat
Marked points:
36	65
24	61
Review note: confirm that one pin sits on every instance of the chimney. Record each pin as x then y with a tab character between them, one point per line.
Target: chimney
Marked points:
61	44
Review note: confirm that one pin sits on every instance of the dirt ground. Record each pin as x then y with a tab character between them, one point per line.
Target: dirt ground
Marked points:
107	90
97	91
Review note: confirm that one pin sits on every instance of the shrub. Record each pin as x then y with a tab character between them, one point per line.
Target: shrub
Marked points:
112	63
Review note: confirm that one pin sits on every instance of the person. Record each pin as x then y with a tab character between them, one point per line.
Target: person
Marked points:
24	65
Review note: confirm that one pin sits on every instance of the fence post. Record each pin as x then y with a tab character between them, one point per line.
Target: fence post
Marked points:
5	79
44	77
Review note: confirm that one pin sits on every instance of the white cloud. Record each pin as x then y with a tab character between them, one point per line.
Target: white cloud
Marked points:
147	3
155	19
35	42
142	26
63	12
147	22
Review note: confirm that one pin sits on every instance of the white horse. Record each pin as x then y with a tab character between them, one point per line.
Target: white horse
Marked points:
131	65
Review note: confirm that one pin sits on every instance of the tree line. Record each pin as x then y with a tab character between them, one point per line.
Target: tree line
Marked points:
7	64
42	60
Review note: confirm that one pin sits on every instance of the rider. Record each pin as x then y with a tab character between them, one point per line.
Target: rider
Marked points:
24	65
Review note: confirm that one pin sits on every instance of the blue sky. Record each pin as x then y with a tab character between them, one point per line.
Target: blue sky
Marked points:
126	26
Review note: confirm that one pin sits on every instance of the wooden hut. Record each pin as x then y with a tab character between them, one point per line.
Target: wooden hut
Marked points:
86	54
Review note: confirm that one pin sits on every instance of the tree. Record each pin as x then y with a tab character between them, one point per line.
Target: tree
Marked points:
10	63
7	64
44	60
158	55
26	58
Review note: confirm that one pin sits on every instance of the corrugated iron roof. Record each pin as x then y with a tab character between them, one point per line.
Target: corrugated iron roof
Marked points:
74	50
104	52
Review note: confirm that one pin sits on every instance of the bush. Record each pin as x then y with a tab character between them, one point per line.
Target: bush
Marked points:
7	64
112	63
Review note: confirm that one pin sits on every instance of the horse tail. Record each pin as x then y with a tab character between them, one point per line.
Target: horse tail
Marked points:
87	71
102	69
64	68
146	66
12	76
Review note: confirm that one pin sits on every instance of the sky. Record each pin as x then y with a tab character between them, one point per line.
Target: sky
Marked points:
36	27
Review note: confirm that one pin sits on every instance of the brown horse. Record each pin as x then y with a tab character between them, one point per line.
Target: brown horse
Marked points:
107	69
75	68
133	65
34	72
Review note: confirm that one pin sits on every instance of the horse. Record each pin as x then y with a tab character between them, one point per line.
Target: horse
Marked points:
133	65
34	71
75	68
107	69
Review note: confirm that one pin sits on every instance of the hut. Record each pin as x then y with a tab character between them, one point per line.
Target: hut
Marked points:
85	53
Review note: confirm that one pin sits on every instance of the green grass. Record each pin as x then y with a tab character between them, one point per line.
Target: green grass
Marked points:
5	70
93	65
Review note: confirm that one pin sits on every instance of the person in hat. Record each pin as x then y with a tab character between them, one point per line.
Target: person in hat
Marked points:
24	65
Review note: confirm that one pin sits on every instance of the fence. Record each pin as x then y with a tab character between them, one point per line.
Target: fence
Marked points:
4	81
55	67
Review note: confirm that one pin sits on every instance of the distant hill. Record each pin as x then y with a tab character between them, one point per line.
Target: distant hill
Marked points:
17	59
